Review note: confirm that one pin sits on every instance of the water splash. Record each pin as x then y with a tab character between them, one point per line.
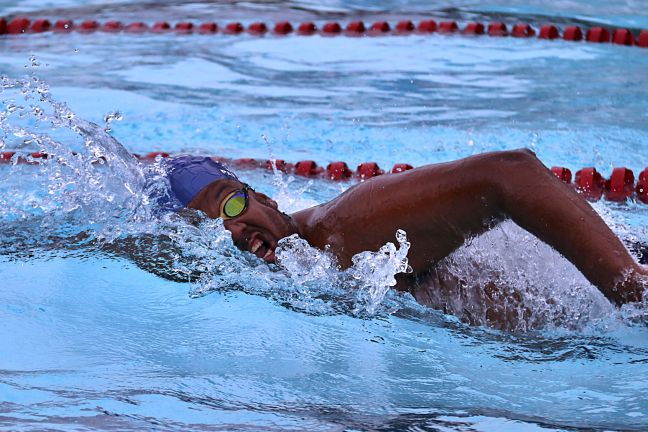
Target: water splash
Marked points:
305	278
86	171
376	271
485	284
288	196
90	181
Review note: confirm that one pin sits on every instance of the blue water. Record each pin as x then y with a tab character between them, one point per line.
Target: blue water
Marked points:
91	341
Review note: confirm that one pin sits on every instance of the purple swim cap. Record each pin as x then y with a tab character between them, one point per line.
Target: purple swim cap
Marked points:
189	175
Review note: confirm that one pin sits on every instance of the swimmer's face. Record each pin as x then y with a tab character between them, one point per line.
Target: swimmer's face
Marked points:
258	229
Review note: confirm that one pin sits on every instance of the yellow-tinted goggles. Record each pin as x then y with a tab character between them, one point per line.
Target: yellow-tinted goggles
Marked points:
235	204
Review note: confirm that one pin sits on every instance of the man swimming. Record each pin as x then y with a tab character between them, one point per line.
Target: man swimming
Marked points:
440	206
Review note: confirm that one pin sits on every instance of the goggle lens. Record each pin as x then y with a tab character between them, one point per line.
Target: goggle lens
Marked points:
235	205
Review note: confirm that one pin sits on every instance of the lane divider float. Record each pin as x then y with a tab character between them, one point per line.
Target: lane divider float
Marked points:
619	187
597	34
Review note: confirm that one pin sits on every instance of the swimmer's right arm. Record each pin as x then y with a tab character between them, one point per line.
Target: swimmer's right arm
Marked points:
555	213
442	205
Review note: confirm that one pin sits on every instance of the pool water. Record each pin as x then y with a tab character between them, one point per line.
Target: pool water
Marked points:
93	338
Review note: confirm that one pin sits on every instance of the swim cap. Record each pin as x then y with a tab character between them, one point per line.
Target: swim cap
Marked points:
188	175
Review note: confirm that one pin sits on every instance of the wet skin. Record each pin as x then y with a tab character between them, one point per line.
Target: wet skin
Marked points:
440	206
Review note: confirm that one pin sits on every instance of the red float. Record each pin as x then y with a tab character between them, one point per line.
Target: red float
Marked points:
338	171
380	27
368	170
154	155
112	26
590	183
573	33
30	158
247	163
401	167
642	187
64	26
307	29
427	26
404	27
331	28
88	26
549	32
233	28
448	27
18	25
598	35
279	164
283	28
208	28
474	28
522	31
41	25
620	185
642	40
184	27
5	157
623	37
355	28
497	29
136	27
257	28
562	173
219	159
307	168
161	27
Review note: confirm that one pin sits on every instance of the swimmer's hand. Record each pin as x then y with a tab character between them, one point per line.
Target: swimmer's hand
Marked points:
634	285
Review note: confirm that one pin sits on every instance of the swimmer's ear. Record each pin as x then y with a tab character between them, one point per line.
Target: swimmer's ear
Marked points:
265	199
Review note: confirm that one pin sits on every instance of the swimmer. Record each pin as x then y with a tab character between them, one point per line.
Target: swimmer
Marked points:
440	206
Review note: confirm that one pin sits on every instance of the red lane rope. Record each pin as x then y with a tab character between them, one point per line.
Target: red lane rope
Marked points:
619	36
619	187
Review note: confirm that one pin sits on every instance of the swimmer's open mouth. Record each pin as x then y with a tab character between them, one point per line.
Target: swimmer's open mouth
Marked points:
261	248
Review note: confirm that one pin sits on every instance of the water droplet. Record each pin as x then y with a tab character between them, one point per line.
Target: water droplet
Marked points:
34	63
110	117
